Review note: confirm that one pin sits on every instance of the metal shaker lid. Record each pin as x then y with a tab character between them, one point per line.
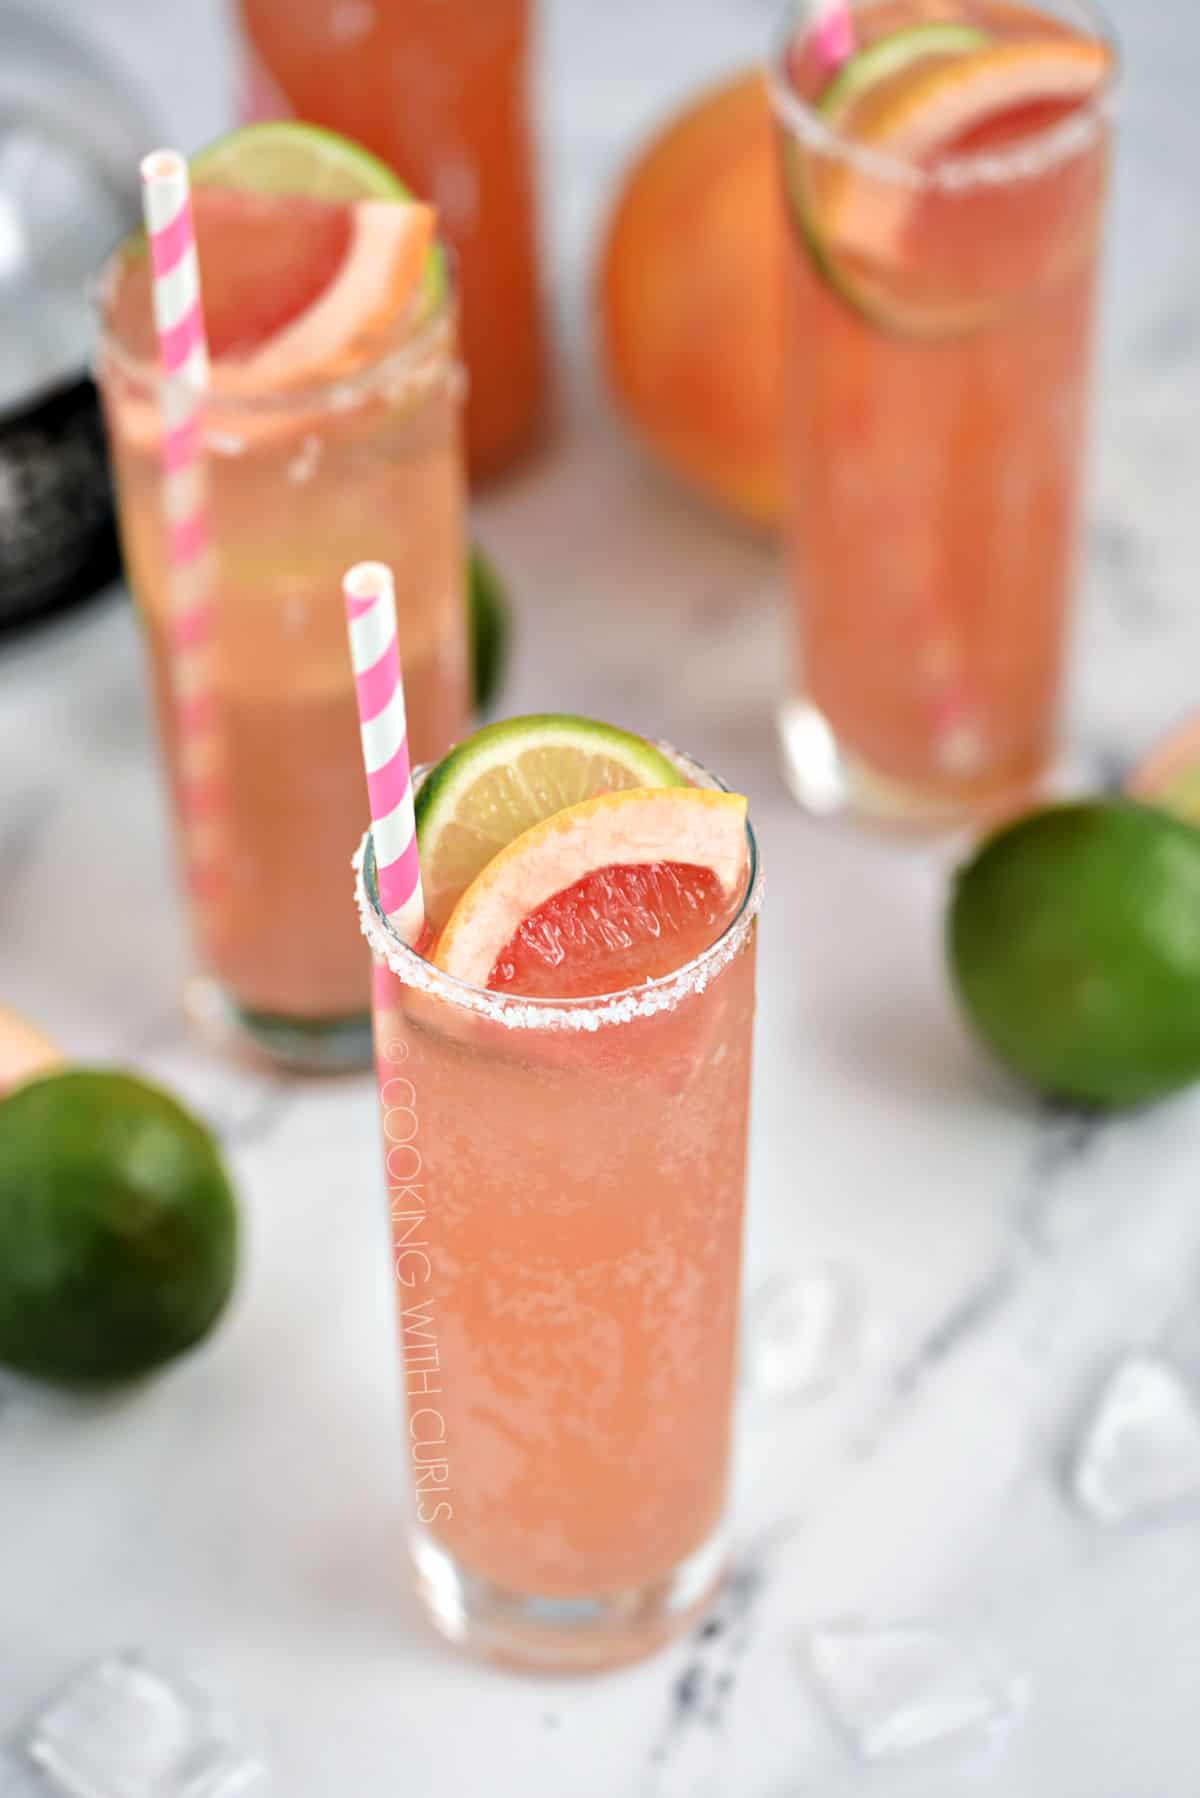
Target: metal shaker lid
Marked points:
71	135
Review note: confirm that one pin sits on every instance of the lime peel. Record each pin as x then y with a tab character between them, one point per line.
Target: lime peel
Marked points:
891	55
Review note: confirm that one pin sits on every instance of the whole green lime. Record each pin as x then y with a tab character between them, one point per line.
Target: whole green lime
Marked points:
1073	938
118	1227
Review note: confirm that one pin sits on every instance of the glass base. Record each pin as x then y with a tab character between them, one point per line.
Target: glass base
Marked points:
829	781
304	1045
563	1635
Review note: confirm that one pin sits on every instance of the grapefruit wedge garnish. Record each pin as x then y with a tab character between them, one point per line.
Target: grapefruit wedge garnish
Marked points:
24	1051
285	159
622	888
312	257
374	284
947	97
338	240
912	109
295	218
1169	777
934	106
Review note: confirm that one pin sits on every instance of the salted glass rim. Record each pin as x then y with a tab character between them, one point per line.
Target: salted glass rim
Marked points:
1028	157
395	357
588	1012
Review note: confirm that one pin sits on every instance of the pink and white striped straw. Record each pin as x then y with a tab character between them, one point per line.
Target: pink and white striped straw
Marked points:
183	355
832	35
375	657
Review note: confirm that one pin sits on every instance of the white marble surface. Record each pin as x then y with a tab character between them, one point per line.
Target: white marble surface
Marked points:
242	1512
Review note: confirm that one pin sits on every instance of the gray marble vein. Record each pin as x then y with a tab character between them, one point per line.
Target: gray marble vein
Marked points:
1122	561
1062	1140
686	1755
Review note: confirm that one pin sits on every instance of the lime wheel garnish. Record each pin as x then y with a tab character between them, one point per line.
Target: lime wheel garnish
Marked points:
509	776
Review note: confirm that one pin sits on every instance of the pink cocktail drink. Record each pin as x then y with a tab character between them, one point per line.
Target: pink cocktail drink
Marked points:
358	452
943	190
565	1171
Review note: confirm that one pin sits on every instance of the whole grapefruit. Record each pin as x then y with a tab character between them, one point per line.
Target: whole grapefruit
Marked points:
689	301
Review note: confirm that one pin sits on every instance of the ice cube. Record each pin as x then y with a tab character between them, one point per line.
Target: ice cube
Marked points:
900	1689
802	1333
1140	1450
123	1729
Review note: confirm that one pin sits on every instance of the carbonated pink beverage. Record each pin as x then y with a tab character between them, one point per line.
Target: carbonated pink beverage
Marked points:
304	476
565	1169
